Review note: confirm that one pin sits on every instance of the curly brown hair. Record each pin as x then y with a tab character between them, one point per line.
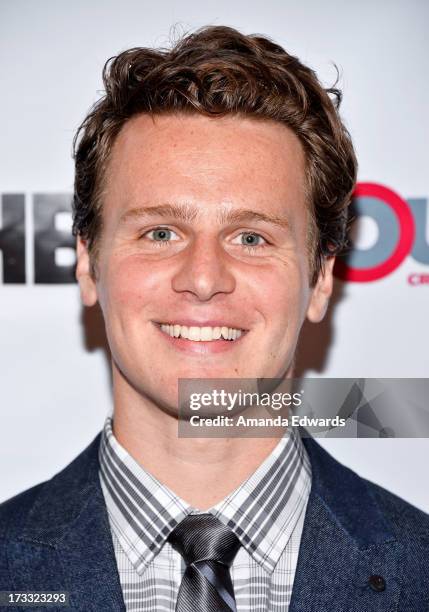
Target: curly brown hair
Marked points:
218	71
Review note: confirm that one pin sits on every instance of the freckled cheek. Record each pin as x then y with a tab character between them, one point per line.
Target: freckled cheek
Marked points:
278	298
132	285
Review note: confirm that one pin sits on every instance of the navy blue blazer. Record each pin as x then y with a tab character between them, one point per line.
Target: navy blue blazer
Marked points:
362	550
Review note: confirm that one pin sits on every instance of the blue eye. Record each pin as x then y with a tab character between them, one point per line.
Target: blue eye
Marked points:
161	234
160	237
251	239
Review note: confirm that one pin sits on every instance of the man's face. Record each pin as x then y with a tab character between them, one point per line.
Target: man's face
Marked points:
204	226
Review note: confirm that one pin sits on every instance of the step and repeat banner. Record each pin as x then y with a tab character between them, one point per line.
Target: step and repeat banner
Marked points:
54	363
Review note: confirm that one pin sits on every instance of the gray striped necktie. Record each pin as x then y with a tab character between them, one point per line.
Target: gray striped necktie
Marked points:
208	548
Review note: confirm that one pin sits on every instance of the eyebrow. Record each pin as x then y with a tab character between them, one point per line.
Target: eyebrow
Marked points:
187	213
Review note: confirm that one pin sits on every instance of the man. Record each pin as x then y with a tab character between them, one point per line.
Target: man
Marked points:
211	194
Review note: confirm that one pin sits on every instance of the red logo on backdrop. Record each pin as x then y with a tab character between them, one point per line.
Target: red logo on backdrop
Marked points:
418	279
405	242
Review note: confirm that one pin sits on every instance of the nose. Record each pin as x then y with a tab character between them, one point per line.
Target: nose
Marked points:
205	270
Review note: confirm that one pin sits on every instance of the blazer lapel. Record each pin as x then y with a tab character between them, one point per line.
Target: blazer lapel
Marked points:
66	543
345	543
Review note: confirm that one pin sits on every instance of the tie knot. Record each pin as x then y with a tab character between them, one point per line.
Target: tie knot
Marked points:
203	537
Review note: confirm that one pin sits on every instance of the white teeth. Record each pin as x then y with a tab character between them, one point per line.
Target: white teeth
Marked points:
198	334
206	333
194	333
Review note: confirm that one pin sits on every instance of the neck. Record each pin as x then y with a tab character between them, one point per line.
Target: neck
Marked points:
202	471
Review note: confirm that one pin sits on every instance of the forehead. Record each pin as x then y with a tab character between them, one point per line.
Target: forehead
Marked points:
193	158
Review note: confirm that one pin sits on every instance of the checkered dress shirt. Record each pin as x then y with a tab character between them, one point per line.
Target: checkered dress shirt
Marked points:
266	512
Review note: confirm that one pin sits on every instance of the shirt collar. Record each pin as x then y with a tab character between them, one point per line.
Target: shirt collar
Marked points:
262	511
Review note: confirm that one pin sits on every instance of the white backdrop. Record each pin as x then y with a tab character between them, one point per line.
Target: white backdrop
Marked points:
54	383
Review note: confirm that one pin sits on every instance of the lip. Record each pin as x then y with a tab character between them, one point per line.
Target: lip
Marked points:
203	347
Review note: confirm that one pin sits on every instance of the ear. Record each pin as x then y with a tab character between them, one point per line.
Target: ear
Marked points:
321	292
88	290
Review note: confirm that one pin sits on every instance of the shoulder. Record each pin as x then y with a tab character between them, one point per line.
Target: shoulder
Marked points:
408	523
13	517
52	502
363	507
14	511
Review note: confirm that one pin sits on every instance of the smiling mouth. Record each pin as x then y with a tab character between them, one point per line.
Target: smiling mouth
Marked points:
201	334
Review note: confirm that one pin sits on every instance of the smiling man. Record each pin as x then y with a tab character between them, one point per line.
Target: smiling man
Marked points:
211	195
